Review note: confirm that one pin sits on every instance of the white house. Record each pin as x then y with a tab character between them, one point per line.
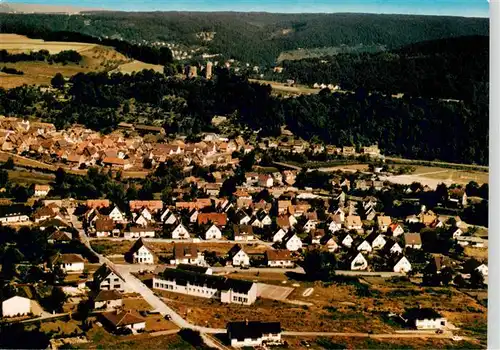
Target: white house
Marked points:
170	219
193	216
253	333
483	268
330	243
359	262
383	223
180	232
68	262
165	215
278	236
140	253
139	232
108	299
424	318
187	254
238	257
310	225
396	229
364	247
413	240
213	232
116	215
19	306
227	290
353	222
41	190
107	278
292	242
334	226
396	248
278	258
457	233
347	241
377	240
141	220
403	265
11	214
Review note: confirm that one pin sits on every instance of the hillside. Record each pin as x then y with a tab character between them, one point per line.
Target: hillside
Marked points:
452	68
95	58
39	8
257	38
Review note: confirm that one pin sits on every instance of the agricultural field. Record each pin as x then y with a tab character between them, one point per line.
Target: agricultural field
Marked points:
136	66
282	88
95	58
25	177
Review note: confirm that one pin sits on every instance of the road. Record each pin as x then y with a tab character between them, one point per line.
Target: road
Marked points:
190	240
131	268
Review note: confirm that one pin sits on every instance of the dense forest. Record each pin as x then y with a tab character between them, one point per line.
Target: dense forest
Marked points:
256	38
410	127
455	68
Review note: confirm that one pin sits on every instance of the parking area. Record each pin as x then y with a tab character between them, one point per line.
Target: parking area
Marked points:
269	291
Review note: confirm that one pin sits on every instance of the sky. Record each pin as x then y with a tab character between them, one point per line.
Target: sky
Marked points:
468	8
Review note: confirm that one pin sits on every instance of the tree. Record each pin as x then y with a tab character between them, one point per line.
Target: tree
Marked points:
57	81
319	265
446	275
56	299
476	279
4	178
9	164
83	311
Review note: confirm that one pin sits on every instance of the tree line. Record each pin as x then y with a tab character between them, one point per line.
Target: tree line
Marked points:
64	56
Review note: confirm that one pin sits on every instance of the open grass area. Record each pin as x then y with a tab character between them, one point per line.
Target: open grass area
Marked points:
101	339
136	303
26	177
15	43
370	343
280	87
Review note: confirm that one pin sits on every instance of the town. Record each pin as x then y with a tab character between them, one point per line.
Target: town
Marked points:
245	242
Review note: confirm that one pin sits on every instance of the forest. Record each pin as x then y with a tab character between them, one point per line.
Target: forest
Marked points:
411	127
453	68
257	38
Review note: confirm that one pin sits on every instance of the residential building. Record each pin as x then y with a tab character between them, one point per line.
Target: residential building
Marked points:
424	318
253	333
195	268
107	278
41	190
353	222
219	219
187	253
359	263
213	232
403	265
140	253
396	229
13	214
238	257
108	299
118	320
413	240
278	258
278	236
20	306
383	223
68	262
292	242
180	232
243	233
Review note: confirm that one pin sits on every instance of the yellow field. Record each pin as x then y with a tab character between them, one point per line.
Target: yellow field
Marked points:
137	66
95	58
15	43
453	175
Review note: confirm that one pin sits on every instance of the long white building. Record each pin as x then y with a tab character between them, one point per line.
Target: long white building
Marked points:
227	290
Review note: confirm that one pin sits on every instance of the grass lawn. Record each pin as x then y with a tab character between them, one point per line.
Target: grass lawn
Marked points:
26	177
61	328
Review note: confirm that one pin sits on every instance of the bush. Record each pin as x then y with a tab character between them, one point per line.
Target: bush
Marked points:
191	336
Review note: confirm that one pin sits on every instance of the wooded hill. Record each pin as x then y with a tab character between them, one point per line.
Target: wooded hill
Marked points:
257	38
